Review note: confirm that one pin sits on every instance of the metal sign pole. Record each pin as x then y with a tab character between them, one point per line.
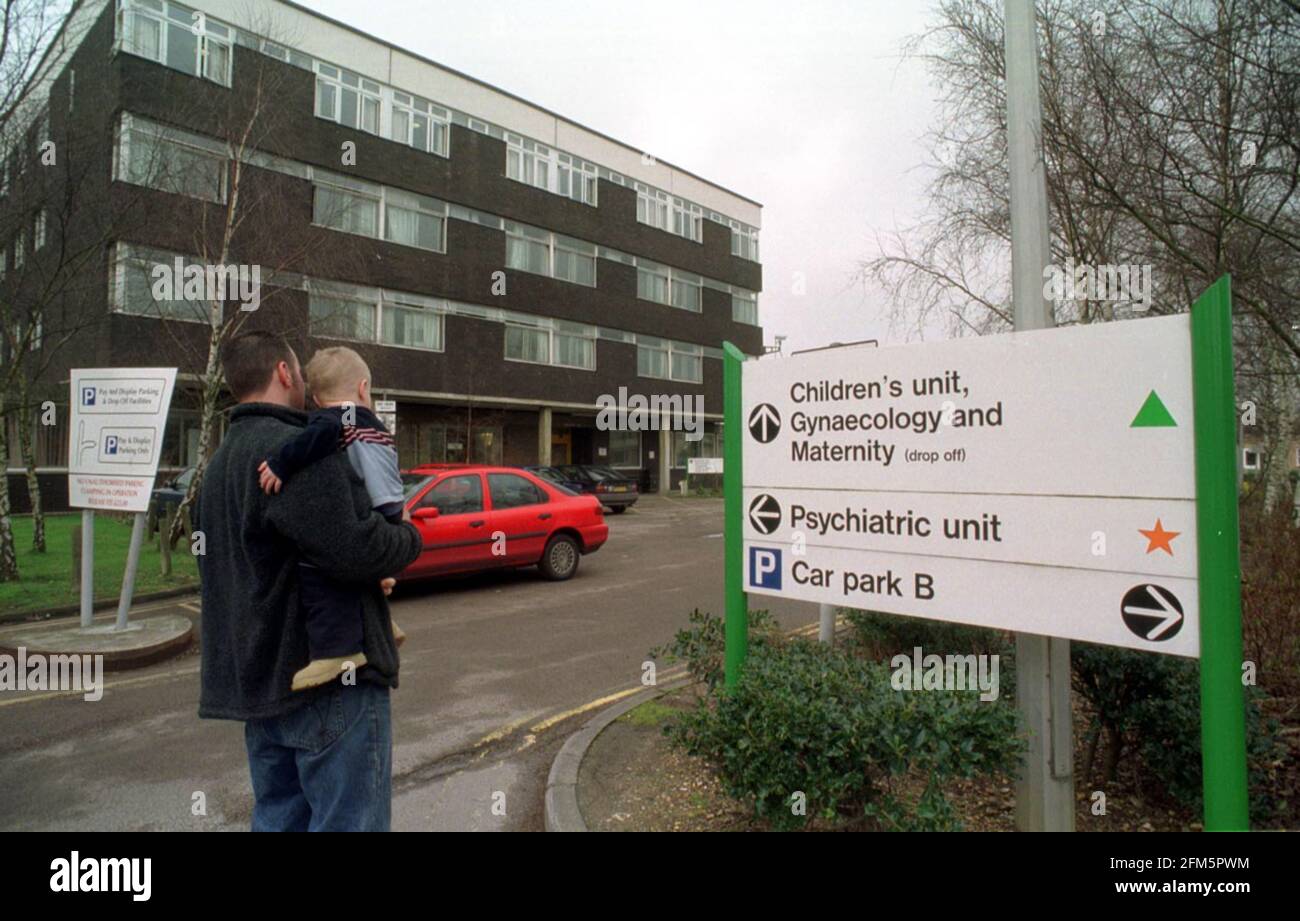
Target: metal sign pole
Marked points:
733	425
1223	709
1045	790
132	566
87	567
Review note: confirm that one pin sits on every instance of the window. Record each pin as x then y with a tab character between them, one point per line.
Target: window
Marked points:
455	495
652	282
624	449
38	230
1250	459
575	345
418	123
651	206
553	342
346	98
148	155
531	249
678	361
342	311
528	249
179	38
357	207
687	363
576	179
526	344
744	307
510	490
651	357
539	166
20	249
688	220
4	263
412	327
687	289
575	261
136	289
744	241
709	445
414	220
347	210
341	318
528	162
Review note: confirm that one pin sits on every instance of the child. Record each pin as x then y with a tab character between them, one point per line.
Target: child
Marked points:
339	381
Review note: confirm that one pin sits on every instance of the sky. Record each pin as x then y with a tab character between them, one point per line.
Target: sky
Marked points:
809	108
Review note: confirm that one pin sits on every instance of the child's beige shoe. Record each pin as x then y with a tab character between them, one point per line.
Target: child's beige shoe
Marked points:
399	635
323	671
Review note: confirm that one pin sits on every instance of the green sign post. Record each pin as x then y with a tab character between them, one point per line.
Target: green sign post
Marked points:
1218	570
1218	562
737	611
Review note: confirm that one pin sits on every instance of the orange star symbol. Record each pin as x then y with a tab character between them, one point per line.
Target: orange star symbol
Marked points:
1159	539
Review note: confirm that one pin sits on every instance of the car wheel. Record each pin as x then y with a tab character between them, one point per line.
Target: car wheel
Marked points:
560	558
618	509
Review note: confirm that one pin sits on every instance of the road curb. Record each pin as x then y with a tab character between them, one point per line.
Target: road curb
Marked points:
67	610
561	805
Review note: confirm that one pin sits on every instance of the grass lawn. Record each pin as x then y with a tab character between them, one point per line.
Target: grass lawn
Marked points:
45	579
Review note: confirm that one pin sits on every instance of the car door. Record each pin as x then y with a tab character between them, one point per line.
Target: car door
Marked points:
458	539
521	512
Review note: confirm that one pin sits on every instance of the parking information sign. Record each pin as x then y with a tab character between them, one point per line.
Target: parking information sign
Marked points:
1041	482
115	439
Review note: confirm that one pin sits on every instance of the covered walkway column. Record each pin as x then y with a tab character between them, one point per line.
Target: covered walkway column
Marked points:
544	436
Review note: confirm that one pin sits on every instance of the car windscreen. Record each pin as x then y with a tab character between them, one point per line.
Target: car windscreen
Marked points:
411	482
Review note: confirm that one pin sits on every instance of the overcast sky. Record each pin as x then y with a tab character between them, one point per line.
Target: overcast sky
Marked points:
808	108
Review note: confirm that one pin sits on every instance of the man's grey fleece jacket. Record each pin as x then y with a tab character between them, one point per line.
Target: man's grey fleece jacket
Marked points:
254	634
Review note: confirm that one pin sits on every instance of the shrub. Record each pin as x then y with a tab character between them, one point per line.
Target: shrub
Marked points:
1151	704
810	718
702	645
883	636
1270	597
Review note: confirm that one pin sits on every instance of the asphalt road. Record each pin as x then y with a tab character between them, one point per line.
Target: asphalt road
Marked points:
497	670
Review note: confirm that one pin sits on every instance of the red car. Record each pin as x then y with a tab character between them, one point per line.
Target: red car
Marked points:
475	517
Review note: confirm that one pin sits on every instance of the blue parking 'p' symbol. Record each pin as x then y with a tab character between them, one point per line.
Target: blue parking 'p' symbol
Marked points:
110	444
87	396
764	568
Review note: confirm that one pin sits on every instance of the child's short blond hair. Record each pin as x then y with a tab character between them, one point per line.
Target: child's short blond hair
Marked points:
334	373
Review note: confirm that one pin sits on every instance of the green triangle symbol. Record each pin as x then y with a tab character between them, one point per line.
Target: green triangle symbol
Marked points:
1153	414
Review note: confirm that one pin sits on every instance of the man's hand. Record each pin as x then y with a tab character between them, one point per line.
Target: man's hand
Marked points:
266	477
387	585
406	513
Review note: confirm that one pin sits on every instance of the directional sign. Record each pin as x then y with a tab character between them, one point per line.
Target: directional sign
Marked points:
764	423
1114	535
764	514
117	421
1152	612
1049	412
1041	482
1078	604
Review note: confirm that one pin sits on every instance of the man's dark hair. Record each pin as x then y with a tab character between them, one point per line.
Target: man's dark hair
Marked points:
248	360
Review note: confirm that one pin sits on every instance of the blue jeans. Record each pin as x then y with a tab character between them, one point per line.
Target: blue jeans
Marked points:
327	766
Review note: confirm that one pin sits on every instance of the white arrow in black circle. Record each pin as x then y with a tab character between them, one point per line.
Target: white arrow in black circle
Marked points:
765	514
1152	612
764	422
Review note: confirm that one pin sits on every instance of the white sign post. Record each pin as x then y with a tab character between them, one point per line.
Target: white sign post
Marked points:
1037	482
118	416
